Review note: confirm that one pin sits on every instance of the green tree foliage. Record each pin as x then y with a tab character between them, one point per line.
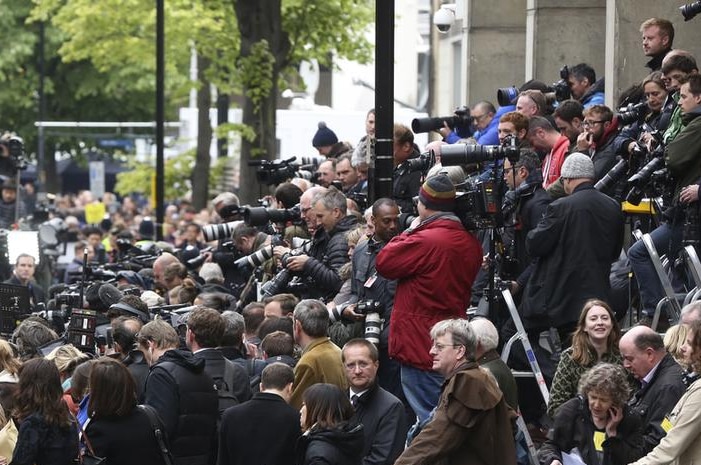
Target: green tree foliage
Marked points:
248	45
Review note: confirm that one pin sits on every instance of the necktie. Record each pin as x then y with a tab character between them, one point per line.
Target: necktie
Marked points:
354	401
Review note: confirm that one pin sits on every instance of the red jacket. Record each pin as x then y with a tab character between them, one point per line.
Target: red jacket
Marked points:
554	160
435	265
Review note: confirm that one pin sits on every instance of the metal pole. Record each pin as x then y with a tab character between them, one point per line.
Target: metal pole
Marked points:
41	175
381	174
160	115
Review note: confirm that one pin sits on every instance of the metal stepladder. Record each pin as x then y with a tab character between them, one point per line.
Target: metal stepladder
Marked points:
530	355
671	298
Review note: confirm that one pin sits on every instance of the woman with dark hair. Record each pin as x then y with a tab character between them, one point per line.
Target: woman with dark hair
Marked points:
595	340
47	434
329	436
597	423
117	428
682	444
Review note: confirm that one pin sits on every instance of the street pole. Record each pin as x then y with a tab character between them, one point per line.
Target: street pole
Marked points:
160	116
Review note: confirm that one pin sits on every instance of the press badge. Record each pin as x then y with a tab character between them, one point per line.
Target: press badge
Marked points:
666	424
599	438
371	280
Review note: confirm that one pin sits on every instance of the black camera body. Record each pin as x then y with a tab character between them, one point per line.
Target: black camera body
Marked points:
278	171
561	88
369	306
259	216
631	113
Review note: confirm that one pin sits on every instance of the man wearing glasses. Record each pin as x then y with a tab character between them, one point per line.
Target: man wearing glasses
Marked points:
472	418
485	123
597	139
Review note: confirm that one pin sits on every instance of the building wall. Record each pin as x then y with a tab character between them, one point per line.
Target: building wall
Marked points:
511	41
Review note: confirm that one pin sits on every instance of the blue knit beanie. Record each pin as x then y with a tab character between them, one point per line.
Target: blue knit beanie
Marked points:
324	136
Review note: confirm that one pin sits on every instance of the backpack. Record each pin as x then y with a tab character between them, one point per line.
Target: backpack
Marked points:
225	388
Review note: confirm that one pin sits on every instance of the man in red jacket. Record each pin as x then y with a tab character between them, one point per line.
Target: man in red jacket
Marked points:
435	262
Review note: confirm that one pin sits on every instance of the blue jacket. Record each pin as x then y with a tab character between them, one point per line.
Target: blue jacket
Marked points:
490	136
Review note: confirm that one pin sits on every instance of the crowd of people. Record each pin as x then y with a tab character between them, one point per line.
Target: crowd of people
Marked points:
340	334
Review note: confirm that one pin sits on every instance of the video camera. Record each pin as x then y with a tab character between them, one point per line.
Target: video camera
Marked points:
15	149
278	171
460	122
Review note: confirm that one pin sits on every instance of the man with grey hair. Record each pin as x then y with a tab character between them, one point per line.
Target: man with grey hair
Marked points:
487	357
691	312
472	418
329	248
321	360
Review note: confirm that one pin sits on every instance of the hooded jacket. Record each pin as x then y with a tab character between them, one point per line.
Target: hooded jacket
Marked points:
435	265
471	425
185	398
342	445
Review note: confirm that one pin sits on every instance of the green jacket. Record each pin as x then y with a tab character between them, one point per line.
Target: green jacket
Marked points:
567	375
683	154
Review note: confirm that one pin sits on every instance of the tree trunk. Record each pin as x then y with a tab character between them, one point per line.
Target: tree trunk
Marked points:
200	175
258	21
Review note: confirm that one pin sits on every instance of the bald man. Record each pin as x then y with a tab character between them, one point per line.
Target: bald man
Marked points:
661	386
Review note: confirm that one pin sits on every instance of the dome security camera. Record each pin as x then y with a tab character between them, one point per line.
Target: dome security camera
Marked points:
444	18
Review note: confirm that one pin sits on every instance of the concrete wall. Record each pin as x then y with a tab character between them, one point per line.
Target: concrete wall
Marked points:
511	41
496	32
629	61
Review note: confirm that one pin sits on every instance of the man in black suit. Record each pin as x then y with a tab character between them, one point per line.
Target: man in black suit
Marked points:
380	413
266	428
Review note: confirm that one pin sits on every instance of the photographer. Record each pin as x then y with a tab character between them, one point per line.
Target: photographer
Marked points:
406	182
329	247
597	140
568	120
683	160
368	285
656	118
575	243
584	86
225	205
9	213
527	201
435	261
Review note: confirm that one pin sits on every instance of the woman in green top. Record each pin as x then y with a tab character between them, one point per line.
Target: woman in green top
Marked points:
595	340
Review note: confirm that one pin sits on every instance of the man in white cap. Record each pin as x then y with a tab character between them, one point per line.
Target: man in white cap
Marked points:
575	243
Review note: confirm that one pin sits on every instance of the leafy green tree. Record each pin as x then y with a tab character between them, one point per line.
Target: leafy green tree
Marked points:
246	47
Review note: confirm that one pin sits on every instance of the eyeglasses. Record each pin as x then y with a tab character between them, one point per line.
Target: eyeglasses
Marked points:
478	118
588	124
441	347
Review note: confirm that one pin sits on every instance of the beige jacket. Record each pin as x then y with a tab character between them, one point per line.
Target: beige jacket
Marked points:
682	445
